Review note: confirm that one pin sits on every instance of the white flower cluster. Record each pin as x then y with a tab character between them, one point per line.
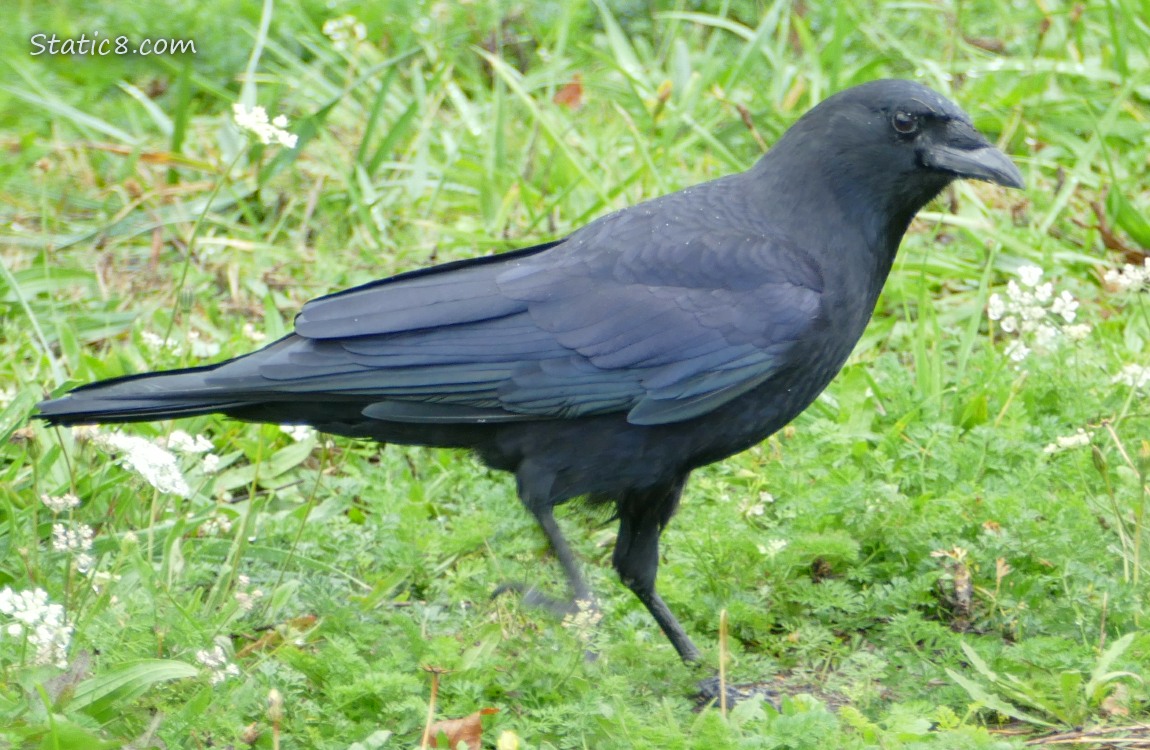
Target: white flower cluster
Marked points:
155	461
583	621
255	120
252	334
245	595
157	465
1068	442
61	503
41	623
203	348
218	524
751	509
1031	310
215	660
182	442
1129	278
156	342
75	538
773	547
298	432
344	32
1134	376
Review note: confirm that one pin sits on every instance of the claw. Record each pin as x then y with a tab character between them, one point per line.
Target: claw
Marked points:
571	611
533	597
709	691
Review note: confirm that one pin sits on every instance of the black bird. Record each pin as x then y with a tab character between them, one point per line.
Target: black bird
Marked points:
611	363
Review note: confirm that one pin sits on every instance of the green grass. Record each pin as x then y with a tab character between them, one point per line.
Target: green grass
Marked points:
905	564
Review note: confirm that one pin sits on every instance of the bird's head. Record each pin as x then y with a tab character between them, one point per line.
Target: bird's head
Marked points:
918	130
895	142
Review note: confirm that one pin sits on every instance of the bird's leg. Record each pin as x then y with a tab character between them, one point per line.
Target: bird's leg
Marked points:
581	597
642	518
567	561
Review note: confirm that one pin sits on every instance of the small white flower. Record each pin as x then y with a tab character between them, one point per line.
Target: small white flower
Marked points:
61	503
1116	277
252	334
211	464
202	347
182	442
773	547
1014	292
584	620
1032	315
156	465
1045	335
75	538
1077	332
1066	306
753	509
1033	312
1017	350
255	120
344	32
247	599
41	623
1077	440
298	432
102	579
1029	275
1134	376
1129	277
84	562
218	524
215	660
995	307
155	342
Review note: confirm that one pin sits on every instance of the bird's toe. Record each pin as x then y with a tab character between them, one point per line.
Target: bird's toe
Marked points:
711	689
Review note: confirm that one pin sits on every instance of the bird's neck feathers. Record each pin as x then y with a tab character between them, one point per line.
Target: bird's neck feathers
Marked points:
866	202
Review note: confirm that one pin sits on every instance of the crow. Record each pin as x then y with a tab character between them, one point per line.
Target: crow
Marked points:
611	363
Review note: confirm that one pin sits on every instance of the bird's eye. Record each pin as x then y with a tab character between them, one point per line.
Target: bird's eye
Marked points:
904	122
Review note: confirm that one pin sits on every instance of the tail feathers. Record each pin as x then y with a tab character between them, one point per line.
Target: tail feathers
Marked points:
139	398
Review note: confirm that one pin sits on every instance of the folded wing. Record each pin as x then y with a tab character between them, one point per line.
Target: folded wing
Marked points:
664	335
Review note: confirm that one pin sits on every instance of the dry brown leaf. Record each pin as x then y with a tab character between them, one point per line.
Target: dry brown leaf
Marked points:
571	95
469	729
1117	704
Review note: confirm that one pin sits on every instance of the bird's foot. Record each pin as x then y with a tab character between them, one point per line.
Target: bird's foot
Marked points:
581	614
533	597
710	691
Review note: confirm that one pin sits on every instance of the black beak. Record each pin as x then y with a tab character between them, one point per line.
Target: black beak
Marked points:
964	152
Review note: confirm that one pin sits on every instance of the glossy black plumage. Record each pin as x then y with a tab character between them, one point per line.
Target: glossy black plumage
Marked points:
615	361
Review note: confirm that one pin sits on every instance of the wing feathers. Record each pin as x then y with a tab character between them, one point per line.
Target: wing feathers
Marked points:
586	328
